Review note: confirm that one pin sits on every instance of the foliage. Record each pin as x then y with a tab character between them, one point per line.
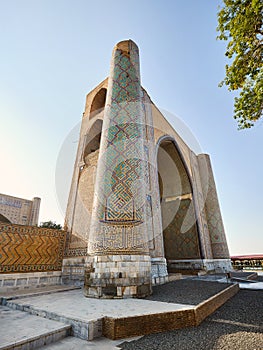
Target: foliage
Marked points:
50	224
240	22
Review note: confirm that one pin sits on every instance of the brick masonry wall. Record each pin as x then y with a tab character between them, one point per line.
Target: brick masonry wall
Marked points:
117	328
124	327
209	306
30	249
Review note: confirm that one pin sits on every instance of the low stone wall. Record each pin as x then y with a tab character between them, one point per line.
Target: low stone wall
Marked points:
209	306
73	271
30	249
124	327
14	281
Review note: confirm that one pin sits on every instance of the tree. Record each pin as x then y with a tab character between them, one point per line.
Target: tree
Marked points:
50	224
240	22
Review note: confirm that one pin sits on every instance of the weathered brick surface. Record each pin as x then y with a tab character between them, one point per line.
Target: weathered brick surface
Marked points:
209	306
124	327
30	249
146	324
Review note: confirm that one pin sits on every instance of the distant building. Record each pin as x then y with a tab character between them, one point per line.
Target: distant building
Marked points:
18	210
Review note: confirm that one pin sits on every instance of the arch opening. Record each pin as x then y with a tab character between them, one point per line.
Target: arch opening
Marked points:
180	230
98	102
92	142
86	183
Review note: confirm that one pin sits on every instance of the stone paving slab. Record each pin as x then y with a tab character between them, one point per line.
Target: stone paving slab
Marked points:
16	294
75	304
85	314
19	328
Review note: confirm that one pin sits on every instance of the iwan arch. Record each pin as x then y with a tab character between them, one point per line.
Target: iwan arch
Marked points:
142	203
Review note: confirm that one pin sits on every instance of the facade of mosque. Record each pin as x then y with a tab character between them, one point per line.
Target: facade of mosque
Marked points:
142	203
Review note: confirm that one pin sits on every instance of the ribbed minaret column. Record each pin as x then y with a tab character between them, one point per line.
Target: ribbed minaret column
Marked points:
119	264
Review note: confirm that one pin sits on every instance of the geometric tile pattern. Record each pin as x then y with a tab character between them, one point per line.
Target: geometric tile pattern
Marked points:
118	219
178	243
180	230
75	246
30	249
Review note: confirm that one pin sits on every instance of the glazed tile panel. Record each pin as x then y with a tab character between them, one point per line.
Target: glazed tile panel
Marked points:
30	249
117	224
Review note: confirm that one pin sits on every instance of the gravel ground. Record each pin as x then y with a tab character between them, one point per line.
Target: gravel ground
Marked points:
237	325
186	291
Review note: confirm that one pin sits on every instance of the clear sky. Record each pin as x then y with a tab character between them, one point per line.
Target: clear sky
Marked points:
53	52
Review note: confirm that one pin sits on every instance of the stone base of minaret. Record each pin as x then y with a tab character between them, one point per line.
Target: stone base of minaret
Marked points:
159	271
118	276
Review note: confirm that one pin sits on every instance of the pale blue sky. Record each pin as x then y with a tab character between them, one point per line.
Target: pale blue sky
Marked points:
54	51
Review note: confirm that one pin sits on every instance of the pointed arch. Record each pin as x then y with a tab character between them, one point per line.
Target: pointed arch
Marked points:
180	226
98	102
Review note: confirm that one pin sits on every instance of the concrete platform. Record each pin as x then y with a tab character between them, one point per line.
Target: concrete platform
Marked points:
20	330
85	315
117	318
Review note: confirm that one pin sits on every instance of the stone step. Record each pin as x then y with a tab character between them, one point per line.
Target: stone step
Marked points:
22	331
72	343
30	292
83	328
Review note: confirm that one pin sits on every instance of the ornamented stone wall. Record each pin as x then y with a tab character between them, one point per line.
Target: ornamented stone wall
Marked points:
30	249
180	244
120	207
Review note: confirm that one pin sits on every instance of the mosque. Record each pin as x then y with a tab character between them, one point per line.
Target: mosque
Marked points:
142	204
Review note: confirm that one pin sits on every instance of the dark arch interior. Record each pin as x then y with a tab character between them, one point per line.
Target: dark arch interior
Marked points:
93	138
98	102
180	231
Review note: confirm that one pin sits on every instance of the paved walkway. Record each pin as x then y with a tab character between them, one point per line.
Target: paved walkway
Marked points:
83	314
75	304
18	328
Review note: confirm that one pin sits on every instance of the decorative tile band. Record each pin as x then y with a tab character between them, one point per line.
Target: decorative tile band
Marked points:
30	249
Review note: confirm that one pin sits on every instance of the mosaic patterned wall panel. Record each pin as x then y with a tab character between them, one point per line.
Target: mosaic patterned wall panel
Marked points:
178	214
30	249
117	224
75	246
178	243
